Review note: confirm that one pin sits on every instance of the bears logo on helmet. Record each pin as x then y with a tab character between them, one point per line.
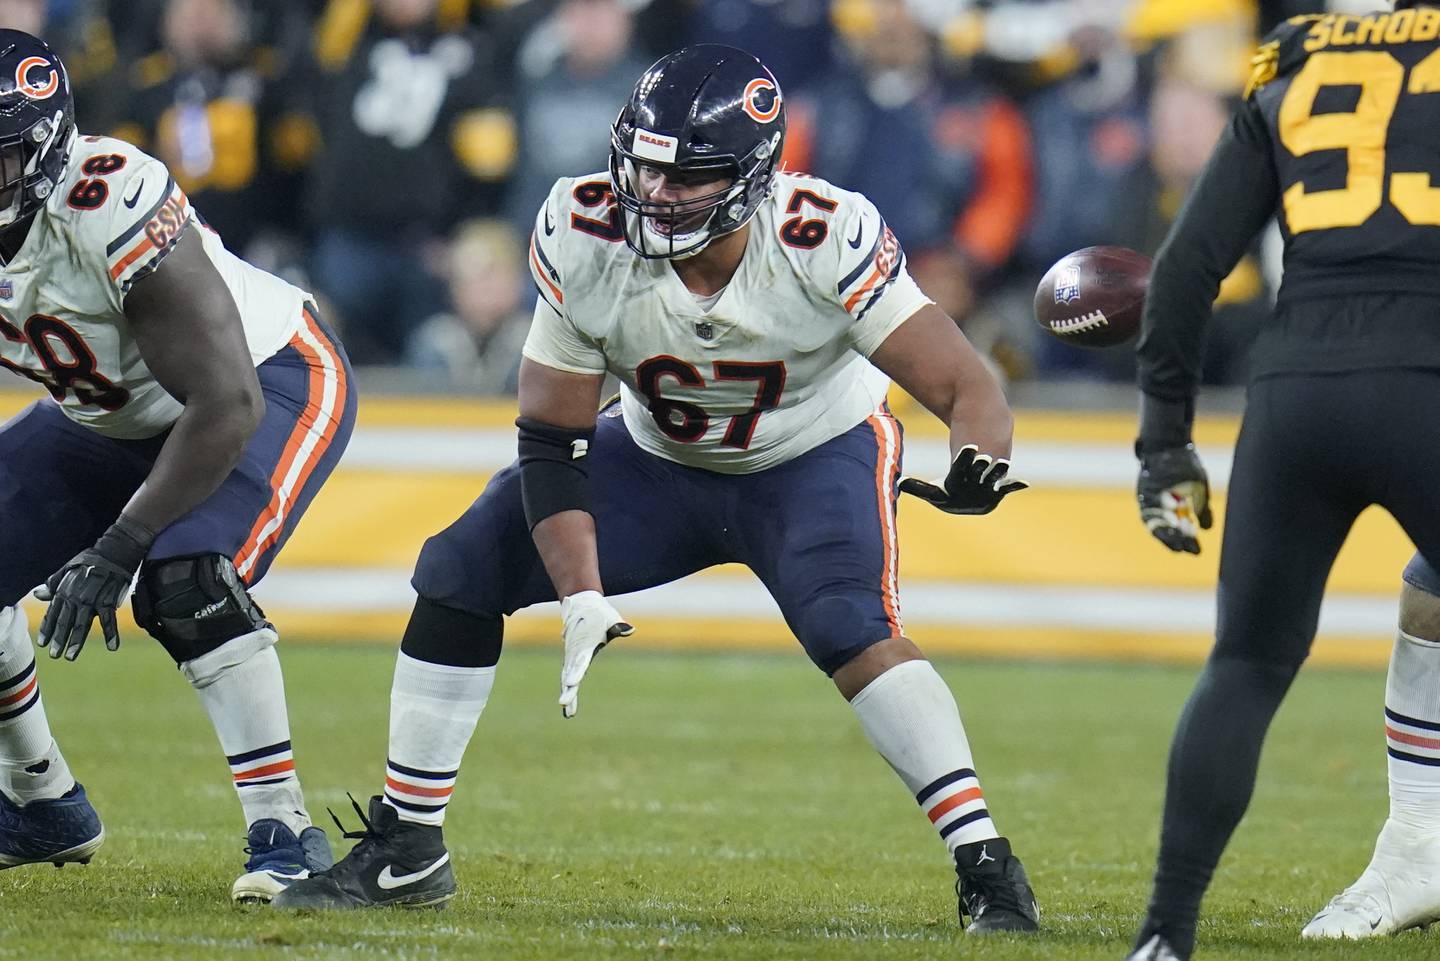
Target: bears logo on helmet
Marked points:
762	91
31	90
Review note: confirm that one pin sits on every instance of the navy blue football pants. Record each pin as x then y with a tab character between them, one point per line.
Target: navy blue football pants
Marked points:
62	485
818	530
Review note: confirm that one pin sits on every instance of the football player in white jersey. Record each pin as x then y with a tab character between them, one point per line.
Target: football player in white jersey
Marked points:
752	318
196	405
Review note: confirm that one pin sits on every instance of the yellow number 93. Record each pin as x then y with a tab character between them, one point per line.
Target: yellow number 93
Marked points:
1361	133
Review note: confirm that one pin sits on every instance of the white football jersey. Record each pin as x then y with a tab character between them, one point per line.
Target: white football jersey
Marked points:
112	220
778	365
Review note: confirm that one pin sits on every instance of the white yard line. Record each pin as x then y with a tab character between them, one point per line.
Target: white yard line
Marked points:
1150	610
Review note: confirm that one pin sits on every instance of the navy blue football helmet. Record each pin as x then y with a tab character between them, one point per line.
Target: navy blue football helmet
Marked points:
37	116
706	112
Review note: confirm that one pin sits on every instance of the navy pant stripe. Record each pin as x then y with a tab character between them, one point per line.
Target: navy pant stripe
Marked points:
18	679
1412	721
408	806
1413	758
29	703
960	822
258	753
928	791
416	772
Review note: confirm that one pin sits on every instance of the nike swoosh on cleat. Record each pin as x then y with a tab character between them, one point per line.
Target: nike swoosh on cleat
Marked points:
134	198
390	880
859	232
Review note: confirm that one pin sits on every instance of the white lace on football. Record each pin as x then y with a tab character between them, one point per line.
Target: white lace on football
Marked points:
1094	320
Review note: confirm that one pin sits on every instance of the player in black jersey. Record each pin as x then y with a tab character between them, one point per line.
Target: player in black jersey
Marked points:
1338	135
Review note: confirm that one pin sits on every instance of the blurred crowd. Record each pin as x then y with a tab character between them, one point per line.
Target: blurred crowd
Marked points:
390	155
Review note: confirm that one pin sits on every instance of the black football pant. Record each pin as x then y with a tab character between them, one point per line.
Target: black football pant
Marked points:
1314	451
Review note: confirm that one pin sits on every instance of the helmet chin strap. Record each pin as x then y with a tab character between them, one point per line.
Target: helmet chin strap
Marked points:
663	240
11	211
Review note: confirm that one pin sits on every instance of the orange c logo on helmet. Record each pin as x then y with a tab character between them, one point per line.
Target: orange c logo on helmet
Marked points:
756	93
22	79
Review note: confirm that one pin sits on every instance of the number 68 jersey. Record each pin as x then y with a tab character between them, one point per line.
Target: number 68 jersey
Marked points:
775	366
111	221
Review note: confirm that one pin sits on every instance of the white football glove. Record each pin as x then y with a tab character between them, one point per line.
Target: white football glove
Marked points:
590	622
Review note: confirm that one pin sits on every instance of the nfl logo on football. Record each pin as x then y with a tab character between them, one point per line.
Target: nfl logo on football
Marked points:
1067	284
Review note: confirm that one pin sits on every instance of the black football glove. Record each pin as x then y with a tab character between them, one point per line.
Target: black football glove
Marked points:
92	584
975	485
1174	496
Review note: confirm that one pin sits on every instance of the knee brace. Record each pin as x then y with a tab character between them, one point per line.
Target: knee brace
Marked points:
192	605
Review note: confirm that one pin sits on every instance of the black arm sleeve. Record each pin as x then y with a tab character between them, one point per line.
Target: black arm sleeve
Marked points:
1234	196
554	469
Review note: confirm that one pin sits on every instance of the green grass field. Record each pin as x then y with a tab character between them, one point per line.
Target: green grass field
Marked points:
708	807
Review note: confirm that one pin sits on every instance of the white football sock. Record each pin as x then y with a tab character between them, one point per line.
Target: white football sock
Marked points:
1412	732
31	766
910	716
243	690
433	711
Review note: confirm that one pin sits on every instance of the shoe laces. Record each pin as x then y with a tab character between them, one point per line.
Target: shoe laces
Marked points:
258	856
367	833
367	837
979	893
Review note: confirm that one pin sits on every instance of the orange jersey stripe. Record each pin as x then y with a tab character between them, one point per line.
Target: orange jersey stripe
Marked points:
317	391
854	298
404	788
136	252
883	480
1392	734
951	803
313	392
279	767
21	694
542	273
258	541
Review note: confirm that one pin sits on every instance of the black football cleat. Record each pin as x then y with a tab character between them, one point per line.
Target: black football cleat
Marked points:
994	890
395	864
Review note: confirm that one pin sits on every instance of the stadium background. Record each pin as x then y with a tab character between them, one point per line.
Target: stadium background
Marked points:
390	155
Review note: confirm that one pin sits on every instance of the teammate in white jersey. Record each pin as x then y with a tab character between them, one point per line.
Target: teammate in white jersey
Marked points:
752	318
196	406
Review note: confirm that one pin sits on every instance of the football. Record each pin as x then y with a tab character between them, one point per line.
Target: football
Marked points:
1094	297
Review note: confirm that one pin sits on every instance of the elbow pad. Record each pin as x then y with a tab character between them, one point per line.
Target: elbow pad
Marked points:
554	469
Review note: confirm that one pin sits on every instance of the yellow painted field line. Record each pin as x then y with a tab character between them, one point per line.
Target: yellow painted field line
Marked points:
469	413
